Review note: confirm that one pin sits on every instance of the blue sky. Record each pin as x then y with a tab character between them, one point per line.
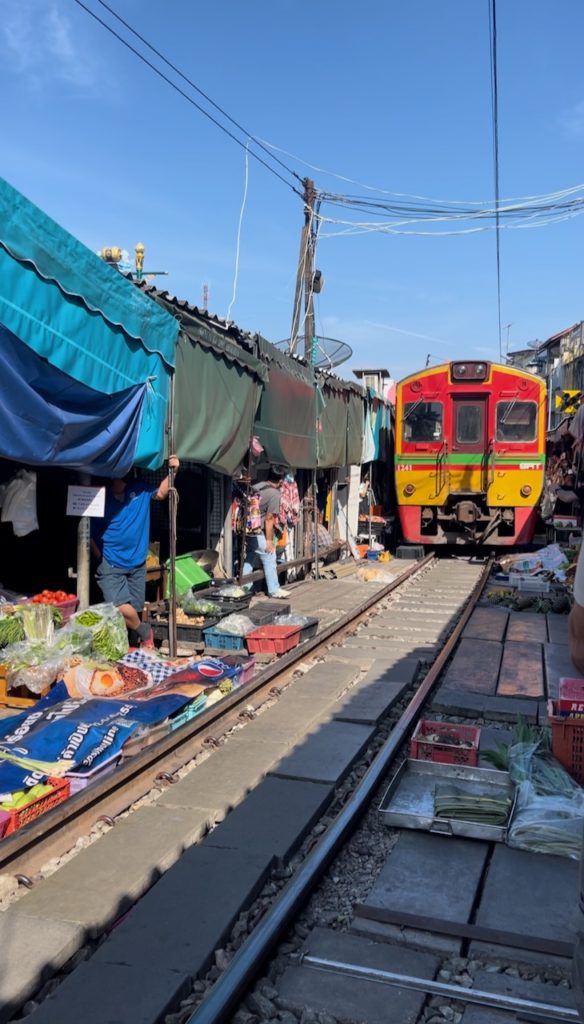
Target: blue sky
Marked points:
392	94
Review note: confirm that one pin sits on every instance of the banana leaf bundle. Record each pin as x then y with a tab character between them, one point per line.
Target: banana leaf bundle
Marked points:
483	809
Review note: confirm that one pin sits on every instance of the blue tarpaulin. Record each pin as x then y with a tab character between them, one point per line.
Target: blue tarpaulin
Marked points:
85	319
47	417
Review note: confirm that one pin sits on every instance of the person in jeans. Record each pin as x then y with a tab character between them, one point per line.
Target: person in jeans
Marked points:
121	541
576	646
261	545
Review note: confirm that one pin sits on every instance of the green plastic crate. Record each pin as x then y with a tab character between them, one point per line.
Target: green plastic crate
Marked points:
189	575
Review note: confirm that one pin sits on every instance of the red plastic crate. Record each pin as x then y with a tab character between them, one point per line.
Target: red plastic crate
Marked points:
24	815
567	742
446	753
571	699
272	639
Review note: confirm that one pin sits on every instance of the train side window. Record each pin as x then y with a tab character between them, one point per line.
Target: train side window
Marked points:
516	421
469	424
422	421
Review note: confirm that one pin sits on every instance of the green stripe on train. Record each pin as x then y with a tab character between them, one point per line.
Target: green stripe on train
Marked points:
471	459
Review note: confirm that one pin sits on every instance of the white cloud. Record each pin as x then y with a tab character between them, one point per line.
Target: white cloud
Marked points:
38	42
572	121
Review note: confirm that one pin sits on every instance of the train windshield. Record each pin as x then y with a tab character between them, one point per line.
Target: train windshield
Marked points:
516	421
469	423
423	421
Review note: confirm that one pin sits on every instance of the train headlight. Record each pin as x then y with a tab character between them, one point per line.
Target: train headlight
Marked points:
409	490
469	371
525	491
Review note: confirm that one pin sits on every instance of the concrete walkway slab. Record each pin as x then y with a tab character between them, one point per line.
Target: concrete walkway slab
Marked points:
327	754
486	1015
32	949
508	903
188	914
223	780
521	672
557	628
527	626
558	663
274	819
505	984
368	702
450	701
105	879
475	666
349	998
427	874
99	993
486	624
325	679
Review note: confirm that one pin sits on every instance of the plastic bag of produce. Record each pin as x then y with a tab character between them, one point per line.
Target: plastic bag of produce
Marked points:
235	625
197	606
33	665
547	824
231	591
549	807
74	638
291	620
109	636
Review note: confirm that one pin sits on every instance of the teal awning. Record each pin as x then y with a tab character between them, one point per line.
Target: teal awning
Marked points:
83	316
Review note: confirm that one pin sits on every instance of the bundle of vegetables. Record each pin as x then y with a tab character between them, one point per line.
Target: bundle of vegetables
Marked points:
109	636
484	809
547	824
520	601
12	623
549	809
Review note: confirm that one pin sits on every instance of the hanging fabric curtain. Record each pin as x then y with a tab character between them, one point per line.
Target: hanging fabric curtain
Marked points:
341	423
286	419
83	316
216	398
332	428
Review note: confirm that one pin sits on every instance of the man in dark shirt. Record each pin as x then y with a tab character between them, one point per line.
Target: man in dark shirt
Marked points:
261	546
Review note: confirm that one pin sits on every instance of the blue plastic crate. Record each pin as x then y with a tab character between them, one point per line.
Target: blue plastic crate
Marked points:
223	641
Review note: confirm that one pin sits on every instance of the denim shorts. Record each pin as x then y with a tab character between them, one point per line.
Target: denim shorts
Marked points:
122	586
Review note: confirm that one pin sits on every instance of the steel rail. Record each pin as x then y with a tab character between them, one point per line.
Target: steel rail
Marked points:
238	976
497	1000
51	834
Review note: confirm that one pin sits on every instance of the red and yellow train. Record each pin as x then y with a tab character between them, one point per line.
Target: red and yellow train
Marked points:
470	454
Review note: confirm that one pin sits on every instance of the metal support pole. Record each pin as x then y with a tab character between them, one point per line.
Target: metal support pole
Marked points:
369	495
172	504
83	552
315	525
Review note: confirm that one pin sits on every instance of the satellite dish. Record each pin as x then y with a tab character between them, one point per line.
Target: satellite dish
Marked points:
329	351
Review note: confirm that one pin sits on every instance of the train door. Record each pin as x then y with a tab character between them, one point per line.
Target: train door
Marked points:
469	443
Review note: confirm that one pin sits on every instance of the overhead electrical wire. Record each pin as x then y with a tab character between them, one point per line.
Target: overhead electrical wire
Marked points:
193	85
495	122
185	95
409	209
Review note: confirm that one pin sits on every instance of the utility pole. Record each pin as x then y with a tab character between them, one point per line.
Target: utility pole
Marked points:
305	276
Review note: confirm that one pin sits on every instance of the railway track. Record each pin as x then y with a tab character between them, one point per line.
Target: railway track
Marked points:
25	852
419	617
298	964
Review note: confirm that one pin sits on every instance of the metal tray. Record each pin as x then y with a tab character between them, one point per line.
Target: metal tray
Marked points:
409	800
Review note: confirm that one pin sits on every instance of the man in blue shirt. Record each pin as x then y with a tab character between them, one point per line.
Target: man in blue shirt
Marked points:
121	543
